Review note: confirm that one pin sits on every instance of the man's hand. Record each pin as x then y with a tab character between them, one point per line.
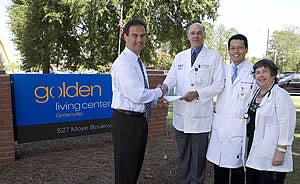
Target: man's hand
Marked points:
190	96
164	88
161	102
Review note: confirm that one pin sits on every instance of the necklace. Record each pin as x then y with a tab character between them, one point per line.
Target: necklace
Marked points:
261	95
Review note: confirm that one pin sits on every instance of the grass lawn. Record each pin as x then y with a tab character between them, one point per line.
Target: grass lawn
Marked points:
293	177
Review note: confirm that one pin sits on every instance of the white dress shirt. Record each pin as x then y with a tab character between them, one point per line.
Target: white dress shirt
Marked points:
129	92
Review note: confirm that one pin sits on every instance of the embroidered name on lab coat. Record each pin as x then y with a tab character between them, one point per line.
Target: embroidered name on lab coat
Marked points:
180	67
203	66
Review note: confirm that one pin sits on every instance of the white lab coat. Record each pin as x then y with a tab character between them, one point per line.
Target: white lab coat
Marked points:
206	77
275	122
227	143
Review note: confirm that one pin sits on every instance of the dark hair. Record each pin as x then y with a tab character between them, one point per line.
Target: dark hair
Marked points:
134	22
238	37
267	63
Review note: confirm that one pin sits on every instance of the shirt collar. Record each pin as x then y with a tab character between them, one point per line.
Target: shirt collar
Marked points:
239	66
131	54
197	50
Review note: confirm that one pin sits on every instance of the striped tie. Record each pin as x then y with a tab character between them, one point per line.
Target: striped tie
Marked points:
147	105
193	58
234	75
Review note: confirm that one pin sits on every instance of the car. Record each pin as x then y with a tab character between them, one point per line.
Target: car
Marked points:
291	84
280	76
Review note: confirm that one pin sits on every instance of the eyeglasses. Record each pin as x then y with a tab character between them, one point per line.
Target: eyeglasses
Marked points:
238	48
196	33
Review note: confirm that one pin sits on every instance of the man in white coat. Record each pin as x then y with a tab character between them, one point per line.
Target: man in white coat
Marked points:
197	75
226	146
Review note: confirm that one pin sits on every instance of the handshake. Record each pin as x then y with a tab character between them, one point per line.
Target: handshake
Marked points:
162	102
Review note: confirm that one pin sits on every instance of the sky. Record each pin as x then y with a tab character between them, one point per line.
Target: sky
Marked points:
253	18
5	35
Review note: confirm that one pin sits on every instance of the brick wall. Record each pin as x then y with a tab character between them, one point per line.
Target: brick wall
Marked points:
157	124
7	146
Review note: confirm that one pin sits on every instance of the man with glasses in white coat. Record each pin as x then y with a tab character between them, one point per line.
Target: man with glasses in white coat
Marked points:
197	75
227	143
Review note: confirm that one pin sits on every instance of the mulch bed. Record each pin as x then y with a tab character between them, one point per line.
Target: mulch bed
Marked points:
88	160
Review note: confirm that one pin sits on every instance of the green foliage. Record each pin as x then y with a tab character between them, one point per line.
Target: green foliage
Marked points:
253	59
41	29
163	61
104	68
294	177
284	49
76	33
1	62
217	39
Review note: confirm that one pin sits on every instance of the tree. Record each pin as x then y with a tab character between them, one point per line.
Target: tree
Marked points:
253	59
85	33
41	32
163	61
217	39
1	62
284	49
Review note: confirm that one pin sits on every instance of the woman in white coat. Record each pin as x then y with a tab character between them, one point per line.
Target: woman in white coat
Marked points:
272	119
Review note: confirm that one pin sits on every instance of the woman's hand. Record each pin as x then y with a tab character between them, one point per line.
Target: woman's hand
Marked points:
278	158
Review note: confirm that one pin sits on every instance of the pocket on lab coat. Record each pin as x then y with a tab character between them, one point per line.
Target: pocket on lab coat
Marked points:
179	107
227	127
217	123
268	150
232	152
203	76
270	140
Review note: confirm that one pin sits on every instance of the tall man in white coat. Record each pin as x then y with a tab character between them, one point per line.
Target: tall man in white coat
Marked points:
227	143
197	74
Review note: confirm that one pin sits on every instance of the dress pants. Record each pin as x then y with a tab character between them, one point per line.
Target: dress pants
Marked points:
254	176
224	175
192	150
129	135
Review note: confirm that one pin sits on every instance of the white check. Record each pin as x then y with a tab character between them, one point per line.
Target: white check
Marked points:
172	98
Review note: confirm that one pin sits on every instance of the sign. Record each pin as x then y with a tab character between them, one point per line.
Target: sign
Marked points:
53	106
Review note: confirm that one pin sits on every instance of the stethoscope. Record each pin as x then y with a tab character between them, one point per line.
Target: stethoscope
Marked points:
246	115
